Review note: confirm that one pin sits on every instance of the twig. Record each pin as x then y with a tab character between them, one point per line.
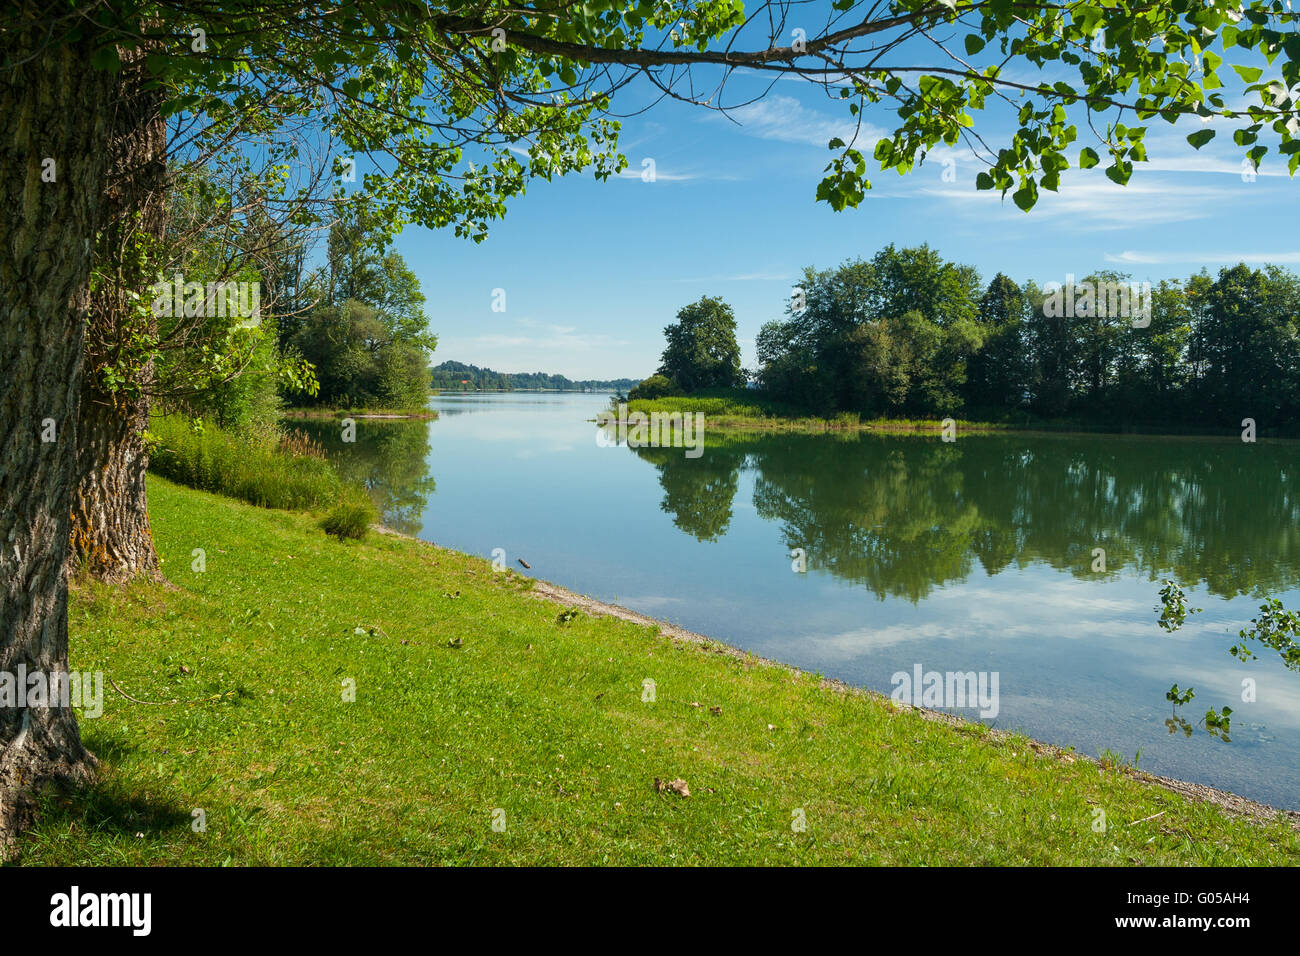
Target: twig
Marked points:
136	700
1145	819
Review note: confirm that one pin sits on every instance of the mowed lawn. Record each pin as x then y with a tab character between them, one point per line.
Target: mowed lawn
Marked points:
536	723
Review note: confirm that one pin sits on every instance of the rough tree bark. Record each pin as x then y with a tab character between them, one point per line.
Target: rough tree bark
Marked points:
111	538
53	153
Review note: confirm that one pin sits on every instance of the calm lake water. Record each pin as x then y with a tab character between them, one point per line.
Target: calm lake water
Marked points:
968	556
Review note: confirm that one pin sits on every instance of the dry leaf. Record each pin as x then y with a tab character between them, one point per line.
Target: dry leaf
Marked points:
677	786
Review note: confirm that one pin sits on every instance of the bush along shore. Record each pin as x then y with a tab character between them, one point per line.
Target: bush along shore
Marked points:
290	697
738	410
413	413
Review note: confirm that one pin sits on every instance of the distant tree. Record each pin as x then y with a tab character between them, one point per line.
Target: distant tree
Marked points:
856	338
1054	353
1247	343
702	351
1000	373
919	279
369	340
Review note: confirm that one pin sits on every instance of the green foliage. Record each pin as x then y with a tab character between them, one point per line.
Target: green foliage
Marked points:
368	341
891	336
717	403
1277	629
457	376
261	466
702	351
218	364
351	518
656	386
359	361
908	334
1173	607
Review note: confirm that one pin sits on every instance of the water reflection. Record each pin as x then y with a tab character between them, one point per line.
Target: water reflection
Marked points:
390	458
901	515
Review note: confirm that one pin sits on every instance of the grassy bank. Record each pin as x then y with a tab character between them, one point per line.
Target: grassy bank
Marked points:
264	467
473	695
745	410
742	410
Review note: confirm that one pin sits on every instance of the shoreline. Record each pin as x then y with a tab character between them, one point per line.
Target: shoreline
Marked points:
336	413
1195	792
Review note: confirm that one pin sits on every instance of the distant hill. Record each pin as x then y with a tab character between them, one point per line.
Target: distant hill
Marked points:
457	376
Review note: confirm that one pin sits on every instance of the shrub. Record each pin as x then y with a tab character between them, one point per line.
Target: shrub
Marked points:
656	386
351	517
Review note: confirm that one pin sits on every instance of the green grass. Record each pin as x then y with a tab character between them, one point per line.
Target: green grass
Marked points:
351	517
741	409
265	468
744	410
532	714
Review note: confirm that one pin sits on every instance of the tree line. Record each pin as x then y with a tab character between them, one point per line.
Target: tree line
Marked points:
453	376
908	333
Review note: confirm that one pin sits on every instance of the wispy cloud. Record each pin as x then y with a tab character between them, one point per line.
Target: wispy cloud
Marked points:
1086	201
1131	257
785	119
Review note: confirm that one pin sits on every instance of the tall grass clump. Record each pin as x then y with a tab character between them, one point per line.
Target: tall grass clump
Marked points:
351	517
263	466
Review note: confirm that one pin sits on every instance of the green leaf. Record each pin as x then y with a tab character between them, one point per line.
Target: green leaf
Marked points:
1201	137
1248	73
1120	173
1026	195
106	58
974	43
1088	158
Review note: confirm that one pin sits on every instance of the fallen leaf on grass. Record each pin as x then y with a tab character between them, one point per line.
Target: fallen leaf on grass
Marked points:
677	786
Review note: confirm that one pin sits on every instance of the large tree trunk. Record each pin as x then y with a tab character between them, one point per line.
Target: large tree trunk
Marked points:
111	538
53	106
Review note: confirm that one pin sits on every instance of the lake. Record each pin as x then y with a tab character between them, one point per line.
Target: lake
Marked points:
971	556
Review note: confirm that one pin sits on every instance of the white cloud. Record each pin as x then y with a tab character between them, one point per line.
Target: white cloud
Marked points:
1131	257
785	119
1089	201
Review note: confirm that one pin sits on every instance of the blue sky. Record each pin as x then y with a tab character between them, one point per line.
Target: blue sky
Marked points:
594	271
